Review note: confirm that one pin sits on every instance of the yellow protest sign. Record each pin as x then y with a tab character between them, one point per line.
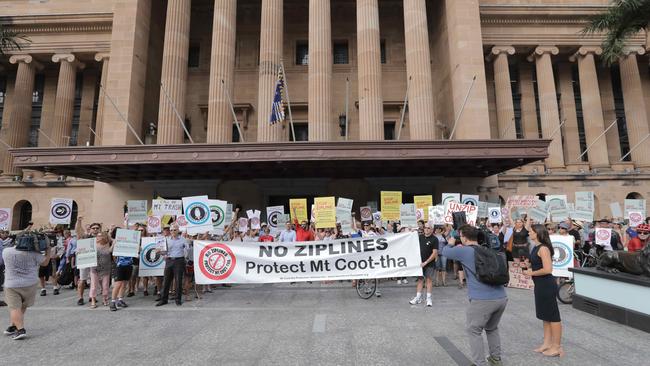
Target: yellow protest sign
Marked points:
423	202
391	202
325	208
298	207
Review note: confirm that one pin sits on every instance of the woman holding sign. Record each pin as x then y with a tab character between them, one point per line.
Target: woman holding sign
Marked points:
540	267
103	270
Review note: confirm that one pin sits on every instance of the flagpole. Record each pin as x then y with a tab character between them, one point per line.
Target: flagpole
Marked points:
48	138
347	105
178	115
121	115
406	100
232	109
453	130
286	88
95	134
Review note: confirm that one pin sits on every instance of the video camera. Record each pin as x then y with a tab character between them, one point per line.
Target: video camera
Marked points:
34	241
486	237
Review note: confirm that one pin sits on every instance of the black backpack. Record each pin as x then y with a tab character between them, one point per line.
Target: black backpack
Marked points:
491	266
67	275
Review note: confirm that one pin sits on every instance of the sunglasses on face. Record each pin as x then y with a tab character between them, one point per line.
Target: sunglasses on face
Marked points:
94	228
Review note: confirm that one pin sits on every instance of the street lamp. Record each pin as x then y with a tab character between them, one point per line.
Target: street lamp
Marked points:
343	124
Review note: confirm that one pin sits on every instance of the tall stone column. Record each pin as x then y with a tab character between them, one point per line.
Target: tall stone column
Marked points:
528	107
371	105
418	69
104	58
548	109
174	72
17	127
222	67
270	56
568	114
635	111
65	93
503	91
592	108
320	71
609	113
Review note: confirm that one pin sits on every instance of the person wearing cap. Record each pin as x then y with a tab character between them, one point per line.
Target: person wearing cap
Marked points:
615	241
641	240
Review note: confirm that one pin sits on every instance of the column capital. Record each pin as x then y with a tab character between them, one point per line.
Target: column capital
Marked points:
27	59
541	50
68	57
584	51
102	56
627	51
497	50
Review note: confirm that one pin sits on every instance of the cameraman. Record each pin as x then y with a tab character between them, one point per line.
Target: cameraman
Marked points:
21	283
5	242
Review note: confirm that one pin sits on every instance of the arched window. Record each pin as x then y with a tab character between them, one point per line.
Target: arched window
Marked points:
634	196
502	201
22	215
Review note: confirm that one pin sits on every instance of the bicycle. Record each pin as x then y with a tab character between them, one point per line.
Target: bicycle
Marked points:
567	287
366	287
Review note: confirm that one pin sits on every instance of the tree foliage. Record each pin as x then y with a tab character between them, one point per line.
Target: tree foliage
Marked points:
10	40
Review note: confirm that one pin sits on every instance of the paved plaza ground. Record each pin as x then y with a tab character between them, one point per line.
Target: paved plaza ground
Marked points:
303	324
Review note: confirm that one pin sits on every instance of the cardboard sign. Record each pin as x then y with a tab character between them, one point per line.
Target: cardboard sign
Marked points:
494	215
197	214
408	215
634	205
423	202
326	210
283	219
182	223
154	224
86	256
635	218
137	210
604	237
218	214
5	218
505	216
391	203
539	212
243	224
584	206
344	214
254	218
344	203
482	209
366	213
376	219
373	206
127	243
615	207
524	201
437	214
471	212
273	214
60	211
298	209
562	255
152	261
419	214
557	206
517	277
470	199
450	197
162	207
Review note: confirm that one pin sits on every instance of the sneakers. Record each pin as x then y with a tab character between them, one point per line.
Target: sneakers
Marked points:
56	291
377	293
121	304
130	294
493	361
399	282
429	302
80	302
19	334
2	303
416	300
43	292
113	306
11	330
405	282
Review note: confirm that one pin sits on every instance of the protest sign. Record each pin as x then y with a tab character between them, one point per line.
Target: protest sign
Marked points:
198	214
635	218
376	219
408	215
154	224
344	214
615	207
5	218
391	202
471	212
326	211
137	210
524	201
562	255
152	262
419	214
557	206
218	214
344	203
162	207
298	209
182	223
60	211
236	262
423	202
449	197
366	213
283	219
86	256
539	212
254	218
437	214
505	216
243	224
313	214
604	237
127	243
469	199
482	209
517	277
634	205
584	206
373	206
494	215
273	214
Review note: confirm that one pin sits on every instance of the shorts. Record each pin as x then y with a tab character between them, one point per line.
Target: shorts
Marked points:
20	297
136	270
441	263
428	272
122	273
45	271
84	274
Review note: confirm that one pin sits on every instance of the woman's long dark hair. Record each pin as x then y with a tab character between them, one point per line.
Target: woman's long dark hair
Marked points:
543	238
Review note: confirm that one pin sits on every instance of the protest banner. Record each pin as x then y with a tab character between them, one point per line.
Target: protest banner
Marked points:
344	203
344	259
326	211
539	212
60	211
505	216
557	207
615	208
517	277
298	209
634	205
408	217
471	212
482	209
366	213
218	214
437	214
584	206
494	215
449	197
152	261
5	218
391	202
243	224
198	214
127	243
524	201
635	218
562	255
273	214
154	224
469	199
162	207
86	256
604	237
137	210
423	202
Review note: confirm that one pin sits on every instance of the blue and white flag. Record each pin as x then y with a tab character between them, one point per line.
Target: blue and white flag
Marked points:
277	109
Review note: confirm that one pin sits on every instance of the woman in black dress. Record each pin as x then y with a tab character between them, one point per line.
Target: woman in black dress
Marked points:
540	267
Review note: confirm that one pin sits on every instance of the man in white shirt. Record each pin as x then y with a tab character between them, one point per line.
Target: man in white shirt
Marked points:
288	234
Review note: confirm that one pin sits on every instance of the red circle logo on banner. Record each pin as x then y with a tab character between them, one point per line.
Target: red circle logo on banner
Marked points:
217	261
635	217
180	220
153	221
603	234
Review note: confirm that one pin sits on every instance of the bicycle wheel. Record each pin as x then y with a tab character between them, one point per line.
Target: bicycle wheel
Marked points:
565	292
366	288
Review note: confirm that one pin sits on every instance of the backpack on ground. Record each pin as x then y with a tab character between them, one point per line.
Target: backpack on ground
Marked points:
491	266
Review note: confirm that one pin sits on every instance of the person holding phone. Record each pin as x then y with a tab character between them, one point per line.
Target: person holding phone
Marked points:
174	266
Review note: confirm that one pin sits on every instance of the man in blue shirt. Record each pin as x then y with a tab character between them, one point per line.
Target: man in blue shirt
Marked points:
174	266
486	302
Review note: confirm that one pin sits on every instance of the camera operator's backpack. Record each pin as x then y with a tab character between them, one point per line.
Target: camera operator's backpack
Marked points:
491	266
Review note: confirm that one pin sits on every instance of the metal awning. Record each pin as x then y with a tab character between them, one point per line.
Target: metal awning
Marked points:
350	159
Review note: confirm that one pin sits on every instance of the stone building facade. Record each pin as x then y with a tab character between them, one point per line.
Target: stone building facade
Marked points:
125	72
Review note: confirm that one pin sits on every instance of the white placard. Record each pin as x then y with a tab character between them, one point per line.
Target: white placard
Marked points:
137	210
450	197
604	237
494	215
471	212
557	206
5	218
539	212
254	218
635	205
60	211
562	255
154	224
127	243
470	199
635	218
366	213
482	209
86	256
419	214
218	214
161	207
197	214
344	203
152	262
273	214
615	208
407	215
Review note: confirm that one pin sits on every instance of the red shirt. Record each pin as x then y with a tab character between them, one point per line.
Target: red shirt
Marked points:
302	234
266	238
634	244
